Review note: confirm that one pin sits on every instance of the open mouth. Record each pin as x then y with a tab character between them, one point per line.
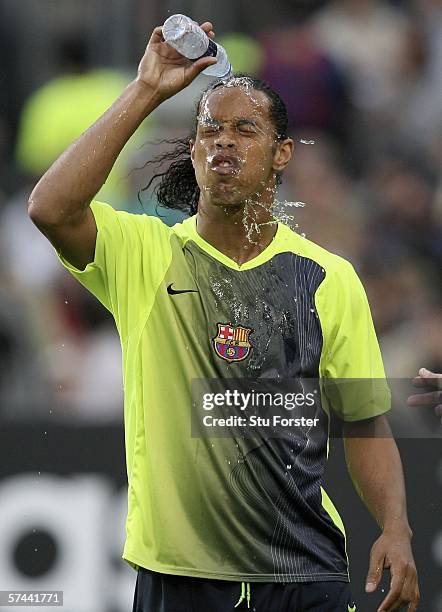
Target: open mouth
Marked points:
225	164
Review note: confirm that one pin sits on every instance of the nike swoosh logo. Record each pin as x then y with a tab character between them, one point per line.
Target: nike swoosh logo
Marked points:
171	291
352	609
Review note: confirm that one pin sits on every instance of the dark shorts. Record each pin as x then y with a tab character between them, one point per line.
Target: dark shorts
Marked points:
167	593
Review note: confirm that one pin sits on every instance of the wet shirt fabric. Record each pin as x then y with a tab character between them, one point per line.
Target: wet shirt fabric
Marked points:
228	508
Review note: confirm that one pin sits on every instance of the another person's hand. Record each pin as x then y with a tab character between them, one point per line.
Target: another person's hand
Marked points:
164	70
392	550
431	383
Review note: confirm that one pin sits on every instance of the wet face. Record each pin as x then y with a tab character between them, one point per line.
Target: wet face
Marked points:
236	153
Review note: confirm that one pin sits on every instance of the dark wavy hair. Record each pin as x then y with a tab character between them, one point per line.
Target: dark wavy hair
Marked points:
176	187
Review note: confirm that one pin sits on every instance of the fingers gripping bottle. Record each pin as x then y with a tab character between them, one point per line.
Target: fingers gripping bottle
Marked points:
186	37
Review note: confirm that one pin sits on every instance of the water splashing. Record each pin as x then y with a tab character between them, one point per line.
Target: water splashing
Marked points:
260	208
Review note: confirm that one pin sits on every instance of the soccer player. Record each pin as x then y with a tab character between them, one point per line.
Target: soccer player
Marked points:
227	523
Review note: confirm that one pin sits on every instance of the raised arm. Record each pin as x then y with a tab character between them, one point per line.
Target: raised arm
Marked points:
59	204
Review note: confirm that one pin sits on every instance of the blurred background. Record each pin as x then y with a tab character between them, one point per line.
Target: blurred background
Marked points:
362	80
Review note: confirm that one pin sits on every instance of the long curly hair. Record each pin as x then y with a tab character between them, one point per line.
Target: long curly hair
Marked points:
176	187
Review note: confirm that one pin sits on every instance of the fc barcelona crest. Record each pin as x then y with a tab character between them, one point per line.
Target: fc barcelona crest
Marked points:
232	343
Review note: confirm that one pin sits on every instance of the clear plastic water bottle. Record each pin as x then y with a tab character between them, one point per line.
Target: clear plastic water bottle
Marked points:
186	37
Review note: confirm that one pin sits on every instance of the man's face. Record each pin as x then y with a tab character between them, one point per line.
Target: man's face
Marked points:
235	148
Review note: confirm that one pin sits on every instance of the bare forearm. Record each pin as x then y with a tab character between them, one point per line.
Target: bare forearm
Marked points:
79	173
376	470
375	467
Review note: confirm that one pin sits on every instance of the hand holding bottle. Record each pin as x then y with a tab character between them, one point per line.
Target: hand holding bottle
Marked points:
165	71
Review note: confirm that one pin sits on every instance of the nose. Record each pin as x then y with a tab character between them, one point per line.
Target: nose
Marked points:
224	141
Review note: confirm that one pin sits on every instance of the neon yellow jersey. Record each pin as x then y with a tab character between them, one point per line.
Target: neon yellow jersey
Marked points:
222	507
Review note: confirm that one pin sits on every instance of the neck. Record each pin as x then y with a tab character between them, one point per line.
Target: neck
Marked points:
240	231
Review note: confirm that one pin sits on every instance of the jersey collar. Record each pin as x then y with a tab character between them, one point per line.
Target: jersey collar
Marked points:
272	249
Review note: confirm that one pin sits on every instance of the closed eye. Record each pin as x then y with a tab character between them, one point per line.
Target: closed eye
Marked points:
246	127
211	129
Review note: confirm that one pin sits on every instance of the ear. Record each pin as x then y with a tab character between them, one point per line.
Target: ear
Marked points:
192	150
283	154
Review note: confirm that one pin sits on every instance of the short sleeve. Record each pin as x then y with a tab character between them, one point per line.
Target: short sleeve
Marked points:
132	253
351	363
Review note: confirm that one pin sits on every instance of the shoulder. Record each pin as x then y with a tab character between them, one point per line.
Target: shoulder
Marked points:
334	265
107	216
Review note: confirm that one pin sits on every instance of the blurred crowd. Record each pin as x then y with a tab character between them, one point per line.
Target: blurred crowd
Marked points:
362	80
